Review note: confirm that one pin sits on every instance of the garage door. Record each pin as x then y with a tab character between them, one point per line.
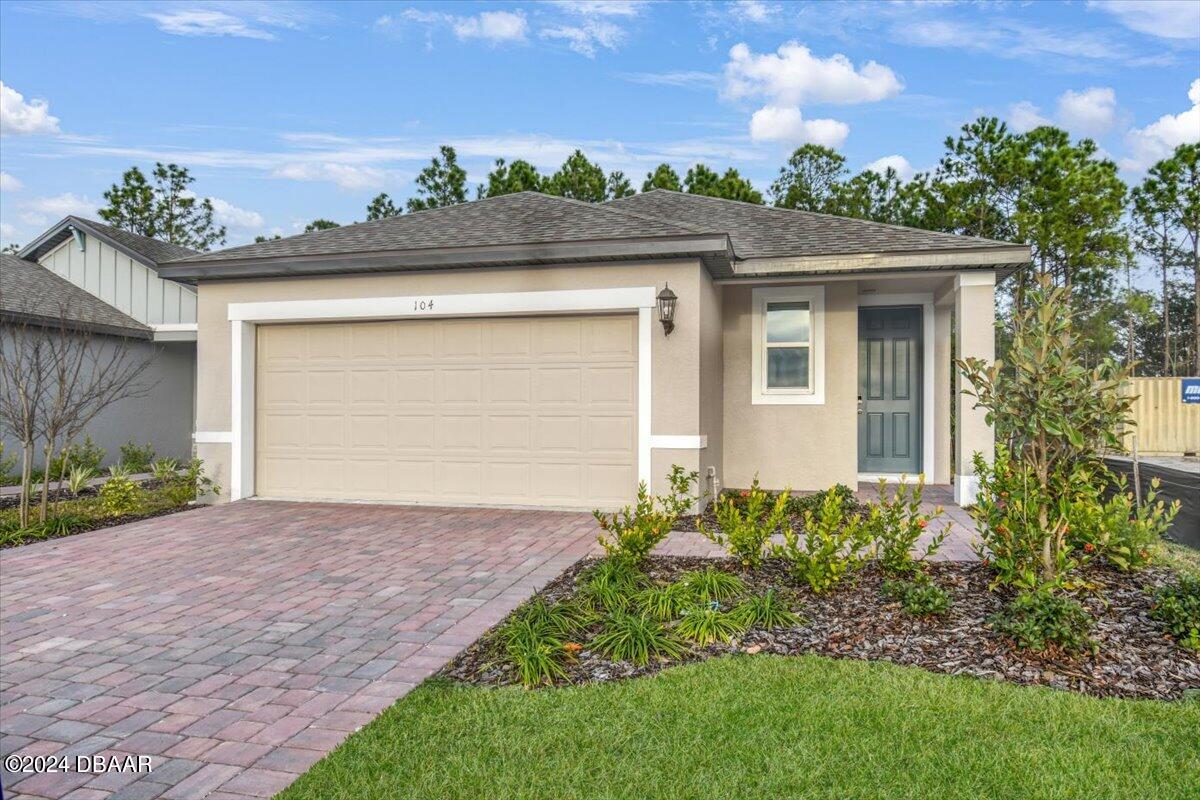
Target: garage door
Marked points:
528	411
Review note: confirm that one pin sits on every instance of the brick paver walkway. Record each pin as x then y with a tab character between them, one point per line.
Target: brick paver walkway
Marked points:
238	644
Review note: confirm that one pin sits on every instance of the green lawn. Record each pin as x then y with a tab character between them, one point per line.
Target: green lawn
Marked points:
751	727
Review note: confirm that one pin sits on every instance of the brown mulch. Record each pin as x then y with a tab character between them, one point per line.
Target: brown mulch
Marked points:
100	524
1134	656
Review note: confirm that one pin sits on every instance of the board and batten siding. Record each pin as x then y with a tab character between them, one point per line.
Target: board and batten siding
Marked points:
122	282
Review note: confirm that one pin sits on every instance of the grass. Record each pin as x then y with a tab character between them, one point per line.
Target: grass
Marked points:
766	727
1180	558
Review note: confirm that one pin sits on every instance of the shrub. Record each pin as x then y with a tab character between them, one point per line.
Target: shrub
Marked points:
87	455
563	619
634	532
829	548
135	458
165	469
920	598
802	504
768	611
1178	608
745	525
680	499
535	651
704	625
611	584
78	477
8	468
1117	529
1038	619
665	603
119	496
635	638
709	585
189	483
895	523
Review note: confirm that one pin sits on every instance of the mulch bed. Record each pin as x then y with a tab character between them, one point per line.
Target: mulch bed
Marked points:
100	524
1135	658
14	500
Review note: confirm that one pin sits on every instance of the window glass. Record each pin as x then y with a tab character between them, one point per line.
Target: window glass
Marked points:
787	367
788	322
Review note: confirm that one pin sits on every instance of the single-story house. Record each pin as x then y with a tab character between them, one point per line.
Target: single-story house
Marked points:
526	350
107	282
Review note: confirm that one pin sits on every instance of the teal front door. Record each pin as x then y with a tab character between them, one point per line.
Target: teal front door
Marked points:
889	390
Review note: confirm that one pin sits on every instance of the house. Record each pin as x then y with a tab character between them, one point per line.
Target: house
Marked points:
524	350
107	281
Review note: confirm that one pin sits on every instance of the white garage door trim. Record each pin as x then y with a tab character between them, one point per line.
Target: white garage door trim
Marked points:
244	316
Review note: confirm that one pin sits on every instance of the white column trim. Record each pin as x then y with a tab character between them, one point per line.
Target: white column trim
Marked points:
245	317
671	442
212	437
928	354
966	489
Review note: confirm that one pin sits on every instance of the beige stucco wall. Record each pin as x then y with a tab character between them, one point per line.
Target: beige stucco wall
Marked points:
676	369
801	446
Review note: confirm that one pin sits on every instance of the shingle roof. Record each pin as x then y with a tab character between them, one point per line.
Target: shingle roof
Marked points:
152	251
764	231
29	290
520	218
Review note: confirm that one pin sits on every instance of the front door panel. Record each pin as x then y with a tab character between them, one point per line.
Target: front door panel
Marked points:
889	389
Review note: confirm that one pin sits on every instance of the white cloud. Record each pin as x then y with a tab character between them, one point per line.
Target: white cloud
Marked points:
20	117
603	8
786	124
1158	139
226	213
206	22
793	76
904	170
1162	18
1025	116
687	79
494	26
587	36
1090	112
45	210
753	10
346	176
7	232
9	183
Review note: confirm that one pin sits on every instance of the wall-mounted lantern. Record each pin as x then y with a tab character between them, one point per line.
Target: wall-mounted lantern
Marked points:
666	309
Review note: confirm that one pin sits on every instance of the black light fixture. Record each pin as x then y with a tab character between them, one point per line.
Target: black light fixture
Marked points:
666	309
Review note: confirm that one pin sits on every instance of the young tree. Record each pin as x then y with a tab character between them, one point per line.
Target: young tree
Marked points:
165	210
618	185
442	183
579	179
871	195
976	182
321	225
382	207
730	186
663	177
1155	212
519	176
810	179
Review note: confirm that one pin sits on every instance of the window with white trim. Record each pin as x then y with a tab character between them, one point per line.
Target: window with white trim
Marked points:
788	365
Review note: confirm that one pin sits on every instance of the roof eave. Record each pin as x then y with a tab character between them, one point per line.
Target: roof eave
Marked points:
998	257
715	249
53	237
41	320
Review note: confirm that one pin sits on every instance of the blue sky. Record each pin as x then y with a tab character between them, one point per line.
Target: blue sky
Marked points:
289	111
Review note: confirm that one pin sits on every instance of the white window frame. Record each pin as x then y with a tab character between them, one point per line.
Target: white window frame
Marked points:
815	393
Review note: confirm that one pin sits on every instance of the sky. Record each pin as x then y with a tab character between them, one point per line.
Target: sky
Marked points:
285	112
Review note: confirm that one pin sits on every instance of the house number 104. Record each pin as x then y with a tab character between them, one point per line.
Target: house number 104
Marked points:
422	305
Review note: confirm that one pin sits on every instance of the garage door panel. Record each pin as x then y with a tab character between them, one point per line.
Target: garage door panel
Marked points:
523	411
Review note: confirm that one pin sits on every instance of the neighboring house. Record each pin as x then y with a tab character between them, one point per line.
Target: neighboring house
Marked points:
508	352
108	281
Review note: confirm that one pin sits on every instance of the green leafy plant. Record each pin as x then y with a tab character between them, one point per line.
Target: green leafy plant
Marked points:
665	603
563	619
535	652
165	469
189	483
78	477
744	525
611	583
86	454
680	499
635	638
798	505
634	531
710	584
1038	619
1178	607
768	611
137	458
830	547
8	468
896	522
1126	535
919	598
120	496
704	624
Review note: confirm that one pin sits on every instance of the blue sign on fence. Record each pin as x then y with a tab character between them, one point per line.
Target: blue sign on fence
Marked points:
1191	390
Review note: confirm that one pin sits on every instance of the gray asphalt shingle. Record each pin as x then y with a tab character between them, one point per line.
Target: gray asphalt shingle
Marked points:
30	290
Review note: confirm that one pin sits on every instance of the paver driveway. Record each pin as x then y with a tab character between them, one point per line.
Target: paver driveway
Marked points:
240	643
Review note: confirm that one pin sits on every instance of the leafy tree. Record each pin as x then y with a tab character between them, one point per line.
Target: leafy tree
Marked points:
1155	212
320	225
442	183
618	185
519	176
1188	158
262	238
663	177
579	179
382	207
871	195
730	186
165	209
810	179
11	247
1145	310
975	186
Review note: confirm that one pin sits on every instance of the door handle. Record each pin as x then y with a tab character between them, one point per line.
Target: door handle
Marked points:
860	405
